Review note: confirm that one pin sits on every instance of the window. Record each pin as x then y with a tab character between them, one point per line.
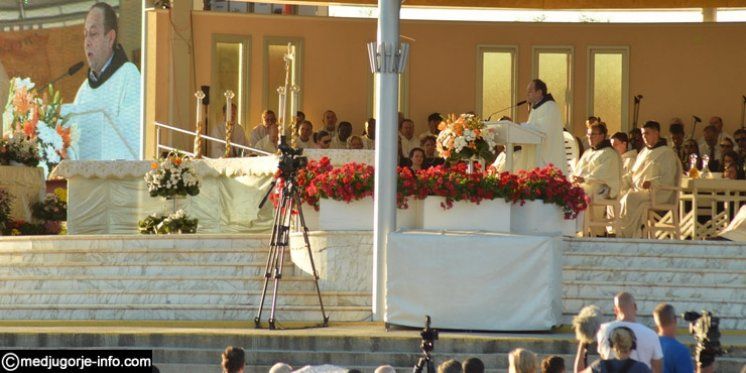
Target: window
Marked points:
496	71
608	69
275	49
230	71
553	65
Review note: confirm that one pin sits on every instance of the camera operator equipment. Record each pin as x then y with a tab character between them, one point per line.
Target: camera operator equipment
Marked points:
429	336
705	329
289	201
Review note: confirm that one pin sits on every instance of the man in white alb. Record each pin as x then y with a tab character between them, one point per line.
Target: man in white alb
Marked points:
546	118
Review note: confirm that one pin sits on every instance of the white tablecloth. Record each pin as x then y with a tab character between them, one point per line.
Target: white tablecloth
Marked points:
473	281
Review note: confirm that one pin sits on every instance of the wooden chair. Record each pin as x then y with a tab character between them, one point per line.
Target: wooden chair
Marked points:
613	208
662	218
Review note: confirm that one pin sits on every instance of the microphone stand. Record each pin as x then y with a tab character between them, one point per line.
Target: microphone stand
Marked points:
501	110
636	111
743	112
695	120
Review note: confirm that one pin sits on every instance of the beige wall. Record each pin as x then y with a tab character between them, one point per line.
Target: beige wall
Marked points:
681	69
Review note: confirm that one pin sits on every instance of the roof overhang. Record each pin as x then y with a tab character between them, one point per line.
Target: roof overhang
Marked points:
539	4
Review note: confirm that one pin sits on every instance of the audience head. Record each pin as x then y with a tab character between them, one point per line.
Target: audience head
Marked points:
268	118
677	133
619	142
406	128
664	316
281	368
370	128
691	147
385	369
730	157
710	133
726	145
305	131
427	144
100	35
596	133
553	364
717	122
731	172
625	307
234	360
329	119
587	323
299	117
472	365
621	341
417	156
522	361
344	130
323	139
536	91
740	137
273	132
592	120
433	121
651	133
400	117
450	366
355	142
635	139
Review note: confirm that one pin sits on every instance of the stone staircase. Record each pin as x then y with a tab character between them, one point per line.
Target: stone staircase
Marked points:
200	277
362	346
690	275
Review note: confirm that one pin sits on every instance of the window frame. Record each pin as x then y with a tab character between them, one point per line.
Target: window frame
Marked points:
486	48
570	50
217	97
624	50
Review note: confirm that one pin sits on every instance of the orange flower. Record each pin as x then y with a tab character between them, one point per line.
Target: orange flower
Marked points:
176	161
65	135
154	165
22	101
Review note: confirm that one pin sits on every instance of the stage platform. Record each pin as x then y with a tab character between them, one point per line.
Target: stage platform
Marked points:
195	347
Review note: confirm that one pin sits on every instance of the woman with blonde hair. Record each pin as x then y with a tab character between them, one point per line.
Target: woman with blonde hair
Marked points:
622	342
521	360
234	360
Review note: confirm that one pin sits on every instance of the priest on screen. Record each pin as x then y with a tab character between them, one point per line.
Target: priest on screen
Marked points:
599	170
656	165
546	118
107	105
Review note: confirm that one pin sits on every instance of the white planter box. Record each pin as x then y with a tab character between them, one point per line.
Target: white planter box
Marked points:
354	216
537	217
488	215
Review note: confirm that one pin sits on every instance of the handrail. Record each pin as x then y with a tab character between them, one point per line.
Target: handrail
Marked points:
210	138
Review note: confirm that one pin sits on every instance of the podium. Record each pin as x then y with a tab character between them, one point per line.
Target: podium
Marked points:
510	134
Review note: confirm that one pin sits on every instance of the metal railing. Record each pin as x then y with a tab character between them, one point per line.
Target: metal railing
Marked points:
194	134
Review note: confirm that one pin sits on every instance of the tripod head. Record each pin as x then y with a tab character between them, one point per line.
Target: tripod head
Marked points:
291	160
429	336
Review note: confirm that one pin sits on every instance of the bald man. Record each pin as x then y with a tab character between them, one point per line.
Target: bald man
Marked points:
648	349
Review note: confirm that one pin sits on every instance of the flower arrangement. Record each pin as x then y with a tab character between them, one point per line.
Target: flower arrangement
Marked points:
21	149
465	137
457	184
24	228
5	199
172	176
551	186
351	182
37	119
177	222
52	208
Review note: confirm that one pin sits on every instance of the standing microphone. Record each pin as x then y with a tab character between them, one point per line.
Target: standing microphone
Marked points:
696	120
743	111
509	107
70	72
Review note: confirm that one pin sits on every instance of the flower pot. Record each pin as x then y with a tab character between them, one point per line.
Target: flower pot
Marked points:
539	218
354	216
488	215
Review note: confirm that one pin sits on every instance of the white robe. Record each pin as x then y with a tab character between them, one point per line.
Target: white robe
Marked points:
305	144
267	145
602	173
115	134
368	143
407	145
660	166
736	230
547	119
217	150
628	160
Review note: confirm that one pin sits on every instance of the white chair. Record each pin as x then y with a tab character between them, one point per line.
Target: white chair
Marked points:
662	219
610	220
572	151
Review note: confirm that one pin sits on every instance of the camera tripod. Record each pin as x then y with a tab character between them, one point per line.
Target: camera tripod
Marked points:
289	201
429	336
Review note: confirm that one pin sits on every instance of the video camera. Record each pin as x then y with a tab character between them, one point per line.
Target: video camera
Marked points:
706	331
429	336
291	159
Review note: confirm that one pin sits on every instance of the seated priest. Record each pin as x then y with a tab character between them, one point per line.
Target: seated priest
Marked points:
106	109
620	143
599	169
217	149
656	165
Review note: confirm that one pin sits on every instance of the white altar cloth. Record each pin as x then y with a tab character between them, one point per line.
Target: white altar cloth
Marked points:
109	197
473	281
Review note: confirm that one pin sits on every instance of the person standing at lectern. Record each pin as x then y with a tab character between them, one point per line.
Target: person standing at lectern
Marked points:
107	106
546	118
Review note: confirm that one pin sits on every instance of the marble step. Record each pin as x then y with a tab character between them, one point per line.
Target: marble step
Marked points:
653	247
653	275
111	256
655	260
154	242
672	292
162	283
180	297
180	312
155	270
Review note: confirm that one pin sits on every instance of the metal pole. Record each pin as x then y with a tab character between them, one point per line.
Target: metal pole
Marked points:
144	79
386	147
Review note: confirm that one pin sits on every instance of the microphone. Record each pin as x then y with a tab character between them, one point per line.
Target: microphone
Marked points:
70	72
638	98
509	107
744	99
696	119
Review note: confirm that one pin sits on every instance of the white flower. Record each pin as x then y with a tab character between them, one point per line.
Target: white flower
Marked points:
49	135
23	83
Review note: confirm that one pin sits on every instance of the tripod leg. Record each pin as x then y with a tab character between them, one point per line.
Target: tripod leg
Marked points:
297	204
270	260
283	240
